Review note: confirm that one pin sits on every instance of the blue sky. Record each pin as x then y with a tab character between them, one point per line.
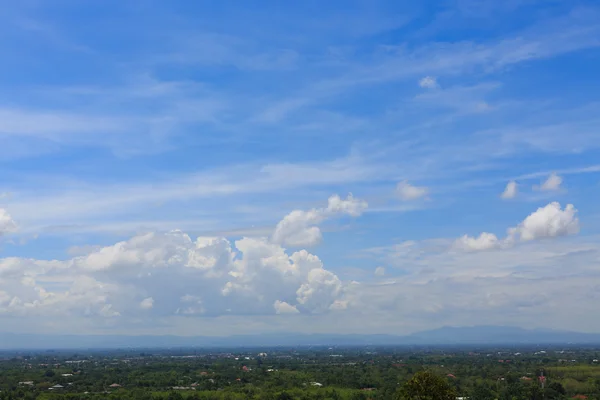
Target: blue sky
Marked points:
173	167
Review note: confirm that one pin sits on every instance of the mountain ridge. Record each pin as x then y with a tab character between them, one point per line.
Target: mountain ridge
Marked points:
448	335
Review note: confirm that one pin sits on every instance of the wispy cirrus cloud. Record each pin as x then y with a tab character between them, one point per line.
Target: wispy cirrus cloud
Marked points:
108	201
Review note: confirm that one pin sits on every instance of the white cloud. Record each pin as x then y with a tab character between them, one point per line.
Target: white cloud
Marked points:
552	183
510	192
351	206
546	222
485	241
504	285
7	224
428	82
147	303
179	277
192	305
49	125
48	288
82	250
151	249
267	272
320	290
109	207
407	192
379	271
460	100
248	276
170	270
281	307
299	228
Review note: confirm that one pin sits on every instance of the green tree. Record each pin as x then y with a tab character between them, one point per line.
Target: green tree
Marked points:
558	387
483	392
513	391
285	396
174	396
426	385
555	391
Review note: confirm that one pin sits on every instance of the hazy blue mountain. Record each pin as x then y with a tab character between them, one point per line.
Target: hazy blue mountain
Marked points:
499	335
476	335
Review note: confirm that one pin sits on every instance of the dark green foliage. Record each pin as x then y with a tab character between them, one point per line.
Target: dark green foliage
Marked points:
483	392
558	388
426	385
303	374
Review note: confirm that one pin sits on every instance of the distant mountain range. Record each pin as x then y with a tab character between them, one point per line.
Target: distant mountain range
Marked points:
475	335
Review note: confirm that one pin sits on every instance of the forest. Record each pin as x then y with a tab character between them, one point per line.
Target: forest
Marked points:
536	373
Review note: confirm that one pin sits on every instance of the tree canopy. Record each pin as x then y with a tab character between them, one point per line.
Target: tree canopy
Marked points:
426	385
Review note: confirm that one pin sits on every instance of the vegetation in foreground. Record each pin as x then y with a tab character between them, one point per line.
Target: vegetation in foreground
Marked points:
329	373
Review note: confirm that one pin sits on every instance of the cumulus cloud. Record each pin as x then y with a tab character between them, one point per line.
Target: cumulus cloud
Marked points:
407	192
299	228
484	241
147	303
351	206
172	275
266	271
7	224
47	288
281	307
151	271
552	183
428	82
319	291
510	192
546	222
160	250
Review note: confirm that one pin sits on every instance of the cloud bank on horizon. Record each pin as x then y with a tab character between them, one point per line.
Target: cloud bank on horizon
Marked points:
342	167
